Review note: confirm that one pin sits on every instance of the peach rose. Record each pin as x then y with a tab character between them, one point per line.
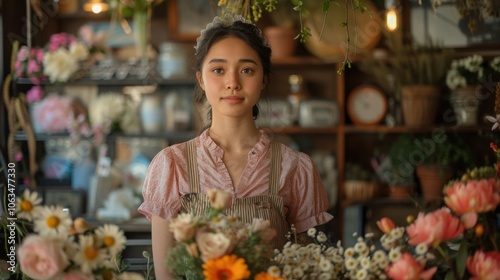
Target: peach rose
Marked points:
484	266
213	245
435	227
263	227
407	268
386	225
219	199
41	258
183	227
77	275
476	196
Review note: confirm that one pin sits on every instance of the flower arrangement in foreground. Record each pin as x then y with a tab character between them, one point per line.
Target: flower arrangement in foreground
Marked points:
458	240
54	246
217	246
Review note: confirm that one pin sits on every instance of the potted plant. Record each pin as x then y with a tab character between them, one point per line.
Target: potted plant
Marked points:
394	170
360	184
412	74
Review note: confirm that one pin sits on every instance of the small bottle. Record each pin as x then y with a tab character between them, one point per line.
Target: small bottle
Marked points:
298	93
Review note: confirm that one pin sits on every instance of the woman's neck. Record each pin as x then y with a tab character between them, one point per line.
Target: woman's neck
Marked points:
235	136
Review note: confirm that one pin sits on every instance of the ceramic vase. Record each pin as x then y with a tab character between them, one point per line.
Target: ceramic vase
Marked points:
465	102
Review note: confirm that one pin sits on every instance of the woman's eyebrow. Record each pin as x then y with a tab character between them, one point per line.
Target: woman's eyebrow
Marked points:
244	60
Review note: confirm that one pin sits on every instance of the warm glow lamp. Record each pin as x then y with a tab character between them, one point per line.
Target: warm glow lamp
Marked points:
391	17
95	6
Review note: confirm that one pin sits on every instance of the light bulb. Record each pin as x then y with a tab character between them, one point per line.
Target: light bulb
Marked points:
392	20
95	6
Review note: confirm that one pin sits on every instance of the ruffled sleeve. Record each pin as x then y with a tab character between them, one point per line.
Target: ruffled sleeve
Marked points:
161	187
309	199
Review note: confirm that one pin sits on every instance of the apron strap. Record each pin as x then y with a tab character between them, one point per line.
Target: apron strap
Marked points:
192	166
275	168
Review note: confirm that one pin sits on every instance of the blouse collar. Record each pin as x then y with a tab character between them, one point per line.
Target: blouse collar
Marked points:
260	147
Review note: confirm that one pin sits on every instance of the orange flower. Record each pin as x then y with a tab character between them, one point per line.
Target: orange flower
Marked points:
434	228
219	199
476	196
386	225
226	268
266	276
484	265
408	268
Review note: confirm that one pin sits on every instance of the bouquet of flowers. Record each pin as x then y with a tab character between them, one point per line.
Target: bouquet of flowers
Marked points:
29	64
54	246
216	246
63	56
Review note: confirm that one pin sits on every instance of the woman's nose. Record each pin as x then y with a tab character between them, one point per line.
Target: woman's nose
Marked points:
232	82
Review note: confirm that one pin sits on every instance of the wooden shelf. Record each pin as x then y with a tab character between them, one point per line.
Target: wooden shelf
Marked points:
130	81
408	129
170	136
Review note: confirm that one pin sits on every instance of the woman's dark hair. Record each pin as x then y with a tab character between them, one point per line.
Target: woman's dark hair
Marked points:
247	32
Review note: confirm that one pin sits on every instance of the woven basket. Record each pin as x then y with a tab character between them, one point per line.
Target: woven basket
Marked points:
360	190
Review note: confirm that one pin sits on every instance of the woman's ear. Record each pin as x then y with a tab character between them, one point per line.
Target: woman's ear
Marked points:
200	80
264	82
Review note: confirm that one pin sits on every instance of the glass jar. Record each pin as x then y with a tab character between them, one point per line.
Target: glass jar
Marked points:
172	61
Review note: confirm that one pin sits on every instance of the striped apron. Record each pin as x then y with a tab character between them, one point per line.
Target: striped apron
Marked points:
269	206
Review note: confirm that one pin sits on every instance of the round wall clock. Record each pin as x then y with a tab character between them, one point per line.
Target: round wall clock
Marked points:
366	105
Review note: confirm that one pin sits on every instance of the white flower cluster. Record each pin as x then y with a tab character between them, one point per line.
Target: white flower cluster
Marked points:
394	243
465	71
495	64
112	109
321	261
61	64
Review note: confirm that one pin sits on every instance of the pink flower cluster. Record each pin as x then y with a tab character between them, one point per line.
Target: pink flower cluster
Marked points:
465	201
60	40
29	64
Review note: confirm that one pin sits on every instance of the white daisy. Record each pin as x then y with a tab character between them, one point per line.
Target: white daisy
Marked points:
311	232
53	222
111	237
421	249
89	256
274	271
28	205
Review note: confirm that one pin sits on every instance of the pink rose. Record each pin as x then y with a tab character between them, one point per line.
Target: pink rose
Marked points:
476	196
34	94
77	275
183	227
386	225
407	268
60	40
434	228
213	245
263	227
219	199
484	266
40	258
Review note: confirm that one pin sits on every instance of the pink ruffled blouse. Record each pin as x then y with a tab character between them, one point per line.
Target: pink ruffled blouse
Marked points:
304	195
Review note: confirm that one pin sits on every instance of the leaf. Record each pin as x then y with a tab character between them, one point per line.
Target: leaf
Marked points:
449	276
462	258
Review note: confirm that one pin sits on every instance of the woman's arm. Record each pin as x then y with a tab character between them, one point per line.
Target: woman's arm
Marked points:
163	240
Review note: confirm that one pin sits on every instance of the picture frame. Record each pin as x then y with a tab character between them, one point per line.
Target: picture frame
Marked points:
186	19
73	200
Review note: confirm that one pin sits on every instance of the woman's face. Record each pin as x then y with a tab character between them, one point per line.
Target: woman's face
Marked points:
232	77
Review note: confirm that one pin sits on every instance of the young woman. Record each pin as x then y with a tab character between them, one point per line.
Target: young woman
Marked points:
267	179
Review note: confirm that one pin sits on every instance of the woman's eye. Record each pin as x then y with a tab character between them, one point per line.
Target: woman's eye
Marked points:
217	70
247	71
